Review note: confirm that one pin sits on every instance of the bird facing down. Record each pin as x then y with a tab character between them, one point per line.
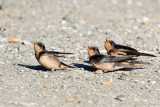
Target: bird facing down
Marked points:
111	63
48	59
114	49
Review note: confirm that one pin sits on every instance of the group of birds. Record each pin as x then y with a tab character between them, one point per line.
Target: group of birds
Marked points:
118	57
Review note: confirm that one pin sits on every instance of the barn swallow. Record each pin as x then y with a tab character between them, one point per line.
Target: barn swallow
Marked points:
111	63
114	49
48	59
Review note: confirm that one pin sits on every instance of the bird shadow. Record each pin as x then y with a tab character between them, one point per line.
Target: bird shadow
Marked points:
85	67
37	67
130	69
124	69
86	62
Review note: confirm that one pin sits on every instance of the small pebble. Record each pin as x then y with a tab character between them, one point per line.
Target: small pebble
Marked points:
122	77
25	42
120	98
126	73
158	71
45	75
153	82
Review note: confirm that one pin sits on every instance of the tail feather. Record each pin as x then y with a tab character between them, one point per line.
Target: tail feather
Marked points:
138	53
145	54
132	64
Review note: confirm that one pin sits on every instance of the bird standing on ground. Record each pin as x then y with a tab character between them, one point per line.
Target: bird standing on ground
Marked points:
48	59
114	49
111	63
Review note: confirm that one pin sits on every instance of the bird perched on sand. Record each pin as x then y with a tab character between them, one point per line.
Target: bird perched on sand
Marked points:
111	63
114	49
48	59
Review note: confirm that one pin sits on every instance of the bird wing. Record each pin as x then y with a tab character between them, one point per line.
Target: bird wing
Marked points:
105	59
127	52
124	47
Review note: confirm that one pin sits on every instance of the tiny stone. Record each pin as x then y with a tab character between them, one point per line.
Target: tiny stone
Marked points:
158	70
122	77
63	22
126	73
153	82
134	81
120	98
90	101
45	76
26	42
145	19
99	72
2	63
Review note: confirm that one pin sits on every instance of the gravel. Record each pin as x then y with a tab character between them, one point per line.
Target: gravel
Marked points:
72	26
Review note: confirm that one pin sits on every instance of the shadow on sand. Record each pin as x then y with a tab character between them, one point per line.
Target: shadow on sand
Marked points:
38	67
124	69
86	67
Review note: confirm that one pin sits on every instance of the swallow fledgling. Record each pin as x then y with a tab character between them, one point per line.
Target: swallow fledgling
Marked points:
111	63
48	59
114	49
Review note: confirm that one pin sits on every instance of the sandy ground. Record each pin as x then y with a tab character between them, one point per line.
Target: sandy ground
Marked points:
72	26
